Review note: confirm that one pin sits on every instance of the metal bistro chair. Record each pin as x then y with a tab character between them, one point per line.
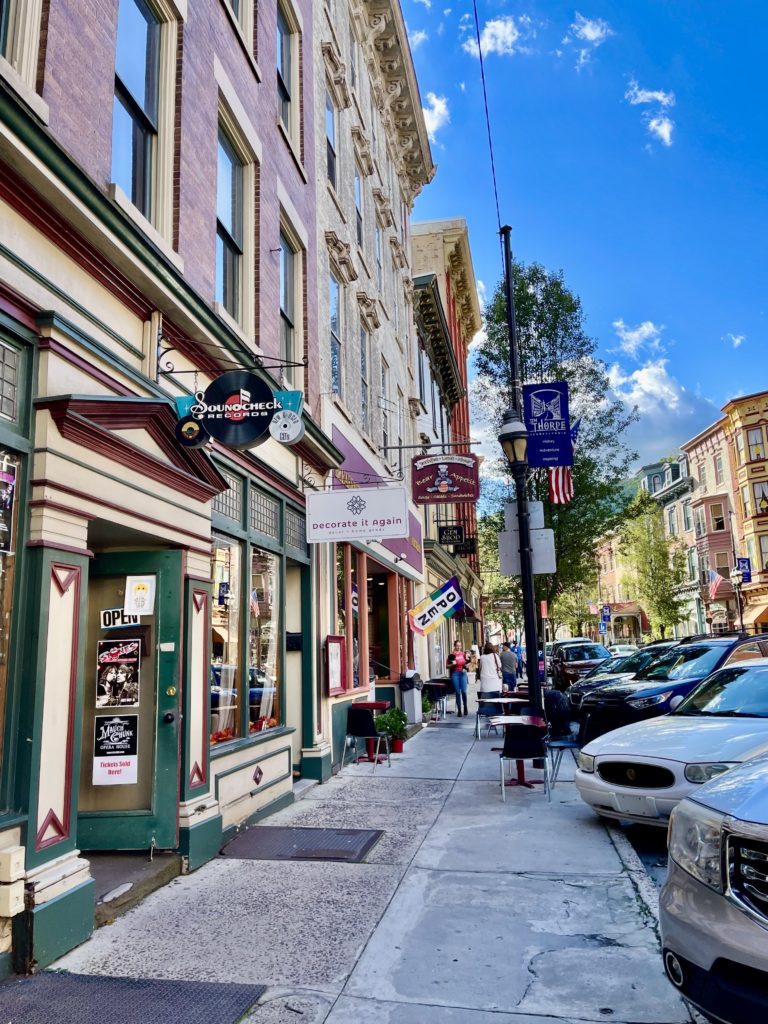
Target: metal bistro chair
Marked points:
437	698
487	711
524	742
557	748
361	725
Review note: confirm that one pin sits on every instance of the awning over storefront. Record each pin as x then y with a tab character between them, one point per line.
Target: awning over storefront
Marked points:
755	613
467	613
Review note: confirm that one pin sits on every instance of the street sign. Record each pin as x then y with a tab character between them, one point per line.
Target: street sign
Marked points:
467	547
450	534
542	552
745	568
535	514
545	412
605	613
602	627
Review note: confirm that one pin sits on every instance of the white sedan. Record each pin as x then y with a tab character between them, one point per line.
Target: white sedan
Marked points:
641	771
620	650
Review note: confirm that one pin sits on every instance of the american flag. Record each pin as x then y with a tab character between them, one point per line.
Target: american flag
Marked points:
561	477
716	581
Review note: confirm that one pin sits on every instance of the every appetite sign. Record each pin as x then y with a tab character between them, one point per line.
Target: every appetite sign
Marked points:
441	604
444	479
115	750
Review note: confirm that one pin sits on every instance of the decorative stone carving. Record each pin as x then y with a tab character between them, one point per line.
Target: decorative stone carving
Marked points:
336	73
369	311
399	257
384	213
362	150
340	256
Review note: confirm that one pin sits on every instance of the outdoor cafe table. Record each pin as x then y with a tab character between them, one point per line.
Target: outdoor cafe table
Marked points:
501	701
372	705
518	720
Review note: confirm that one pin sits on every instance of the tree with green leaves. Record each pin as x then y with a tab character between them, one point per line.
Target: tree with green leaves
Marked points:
656	565
554	345
502	597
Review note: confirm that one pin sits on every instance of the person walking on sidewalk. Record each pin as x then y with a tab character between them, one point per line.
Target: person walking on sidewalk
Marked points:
489	673
456	665
508	660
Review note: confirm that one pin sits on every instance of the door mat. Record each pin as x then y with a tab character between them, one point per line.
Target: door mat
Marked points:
271	842
447	725
57	997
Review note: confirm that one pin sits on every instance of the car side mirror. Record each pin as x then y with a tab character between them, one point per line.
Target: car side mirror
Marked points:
676	702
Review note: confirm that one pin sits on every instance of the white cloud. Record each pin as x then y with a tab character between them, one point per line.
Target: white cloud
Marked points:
634	340
735	339
436	114
669	413
463	86
417	38
425	3
637	95
591	33
661	127
503	35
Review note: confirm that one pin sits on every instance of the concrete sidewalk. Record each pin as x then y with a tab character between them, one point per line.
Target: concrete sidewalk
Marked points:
467	911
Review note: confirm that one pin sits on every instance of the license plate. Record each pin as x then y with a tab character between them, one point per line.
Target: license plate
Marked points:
636	805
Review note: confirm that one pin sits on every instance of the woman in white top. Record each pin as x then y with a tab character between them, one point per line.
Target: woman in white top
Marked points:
489	672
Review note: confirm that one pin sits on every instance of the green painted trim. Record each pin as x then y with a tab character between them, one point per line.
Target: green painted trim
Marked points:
66	297
18	330
6	965
307	652
319	768
42	935
202	842
278	804
187	793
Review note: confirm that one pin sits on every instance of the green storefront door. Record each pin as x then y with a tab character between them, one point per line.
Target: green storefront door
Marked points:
129	770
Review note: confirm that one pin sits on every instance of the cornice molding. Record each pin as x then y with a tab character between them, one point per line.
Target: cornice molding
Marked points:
399	257
369	311
459	265
384	213
340	255
336	73
362	150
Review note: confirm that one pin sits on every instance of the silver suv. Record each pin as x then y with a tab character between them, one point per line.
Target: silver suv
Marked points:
714	904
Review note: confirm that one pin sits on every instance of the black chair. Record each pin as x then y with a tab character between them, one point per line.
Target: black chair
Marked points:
557	748
524	742
361	725
488	711
436	694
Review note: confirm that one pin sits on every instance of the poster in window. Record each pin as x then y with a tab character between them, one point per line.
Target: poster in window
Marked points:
335	667
7	495
118	670
115	751
139	595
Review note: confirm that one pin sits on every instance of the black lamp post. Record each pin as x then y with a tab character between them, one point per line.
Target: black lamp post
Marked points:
513	439
737	578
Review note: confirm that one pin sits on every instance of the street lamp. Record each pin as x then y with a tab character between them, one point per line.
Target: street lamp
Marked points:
513	439
737	578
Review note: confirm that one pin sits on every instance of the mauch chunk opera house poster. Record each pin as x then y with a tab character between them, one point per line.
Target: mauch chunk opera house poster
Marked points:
117	681
116	750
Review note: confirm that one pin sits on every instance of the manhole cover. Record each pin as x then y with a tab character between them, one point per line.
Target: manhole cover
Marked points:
56	997
270	842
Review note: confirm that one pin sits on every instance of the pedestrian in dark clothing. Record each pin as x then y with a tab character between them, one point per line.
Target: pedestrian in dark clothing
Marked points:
508	660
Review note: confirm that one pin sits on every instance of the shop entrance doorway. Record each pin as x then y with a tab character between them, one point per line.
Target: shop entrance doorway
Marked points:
129	766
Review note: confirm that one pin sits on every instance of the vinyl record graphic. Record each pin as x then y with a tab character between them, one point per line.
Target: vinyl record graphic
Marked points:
191	433
237	409
286	427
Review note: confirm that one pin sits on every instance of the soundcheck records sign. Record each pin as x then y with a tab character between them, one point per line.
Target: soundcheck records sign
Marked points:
237	409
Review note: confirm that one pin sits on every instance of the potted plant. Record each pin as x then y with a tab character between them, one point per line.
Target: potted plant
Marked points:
394	723
426	707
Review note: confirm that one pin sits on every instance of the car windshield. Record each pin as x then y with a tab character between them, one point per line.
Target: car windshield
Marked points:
608	667
640	659
585	652
737	692
684	662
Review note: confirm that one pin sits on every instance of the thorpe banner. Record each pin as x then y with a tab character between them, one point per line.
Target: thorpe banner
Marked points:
441	604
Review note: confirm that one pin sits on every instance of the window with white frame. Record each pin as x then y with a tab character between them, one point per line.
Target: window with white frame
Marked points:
700	522
687	516
289	259
703	475
331	125
764	551
243	12
750	542
760	491
379	279
20	22
359	206
719	473
740	446
672	522
755	441
692	559
385	406
287	62
136	102
229	226
717	517
365	383
334	292
722	563
746	506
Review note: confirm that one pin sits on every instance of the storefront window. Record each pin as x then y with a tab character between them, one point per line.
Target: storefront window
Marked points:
225	621
341	604
354	621
264	642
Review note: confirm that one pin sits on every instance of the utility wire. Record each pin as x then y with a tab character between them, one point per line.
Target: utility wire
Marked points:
487	115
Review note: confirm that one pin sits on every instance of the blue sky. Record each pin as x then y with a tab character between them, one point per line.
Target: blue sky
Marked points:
631	142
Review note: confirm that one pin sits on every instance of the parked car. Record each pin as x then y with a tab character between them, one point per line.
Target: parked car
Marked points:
614	670
571	661
714	904
618	650
641	772
675	674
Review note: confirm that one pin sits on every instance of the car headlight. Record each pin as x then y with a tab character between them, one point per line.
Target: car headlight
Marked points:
586	762
710	770
648	702
695	842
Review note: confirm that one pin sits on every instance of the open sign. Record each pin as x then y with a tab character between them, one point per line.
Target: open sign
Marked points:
115	618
